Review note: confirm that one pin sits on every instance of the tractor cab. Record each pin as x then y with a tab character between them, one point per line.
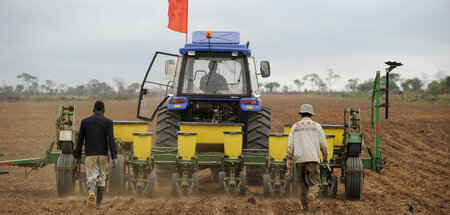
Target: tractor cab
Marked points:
213	73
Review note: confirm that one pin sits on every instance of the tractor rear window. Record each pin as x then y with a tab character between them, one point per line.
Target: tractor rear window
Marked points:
214	76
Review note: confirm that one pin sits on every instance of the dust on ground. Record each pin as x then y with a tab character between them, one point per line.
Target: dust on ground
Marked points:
415	140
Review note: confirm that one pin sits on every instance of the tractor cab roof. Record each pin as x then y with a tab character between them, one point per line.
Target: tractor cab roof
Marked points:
221	41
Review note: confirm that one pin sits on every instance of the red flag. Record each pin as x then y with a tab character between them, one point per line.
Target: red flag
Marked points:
178	15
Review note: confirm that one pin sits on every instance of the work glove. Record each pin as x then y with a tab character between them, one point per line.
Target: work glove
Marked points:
290	163
114	163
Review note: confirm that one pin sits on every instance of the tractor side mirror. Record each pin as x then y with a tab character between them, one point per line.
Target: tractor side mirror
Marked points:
265	69
170	69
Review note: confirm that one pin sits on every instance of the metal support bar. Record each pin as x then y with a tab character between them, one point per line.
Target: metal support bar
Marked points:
387	94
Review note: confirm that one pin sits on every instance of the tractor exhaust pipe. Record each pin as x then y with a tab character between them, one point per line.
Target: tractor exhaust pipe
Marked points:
392	65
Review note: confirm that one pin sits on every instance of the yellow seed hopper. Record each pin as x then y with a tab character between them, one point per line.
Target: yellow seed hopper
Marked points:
125	129
142	145
210	136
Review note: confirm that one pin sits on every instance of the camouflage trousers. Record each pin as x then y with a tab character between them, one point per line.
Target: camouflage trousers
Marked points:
96	171
309	180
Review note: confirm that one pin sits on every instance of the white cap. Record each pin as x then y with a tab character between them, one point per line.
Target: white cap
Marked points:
306	108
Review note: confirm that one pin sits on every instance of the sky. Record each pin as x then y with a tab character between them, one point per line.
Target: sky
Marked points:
73	42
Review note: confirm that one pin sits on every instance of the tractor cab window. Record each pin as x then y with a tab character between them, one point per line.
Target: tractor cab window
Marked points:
214	75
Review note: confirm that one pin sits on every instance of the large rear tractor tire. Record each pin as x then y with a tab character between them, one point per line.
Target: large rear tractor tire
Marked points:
167	127
117	176
257	137
258	129
65	181
166	136
354	179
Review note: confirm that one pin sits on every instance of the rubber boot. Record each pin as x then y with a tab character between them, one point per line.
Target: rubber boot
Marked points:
91	193
90	202
100	191
311	203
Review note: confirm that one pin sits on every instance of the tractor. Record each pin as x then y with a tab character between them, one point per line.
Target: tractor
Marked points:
213	81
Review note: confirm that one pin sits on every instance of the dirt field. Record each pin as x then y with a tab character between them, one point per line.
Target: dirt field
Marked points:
415	139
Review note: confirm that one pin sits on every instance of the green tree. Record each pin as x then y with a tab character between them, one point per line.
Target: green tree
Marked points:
105	89
270	86
299	84
19	89
434	88
61	89
393	79
49	86
42	87
322	87
439	87
445	84
34	88
352	85
314	80
79	90
133	87
7	90
366	86
331	78
94	87
412	85
120	84
30	82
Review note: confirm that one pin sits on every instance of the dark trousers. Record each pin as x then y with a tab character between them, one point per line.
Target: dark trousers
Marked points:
309	180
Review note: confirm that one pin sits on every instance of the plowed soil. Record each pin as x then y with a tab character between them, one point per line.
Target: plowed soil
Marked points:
415	141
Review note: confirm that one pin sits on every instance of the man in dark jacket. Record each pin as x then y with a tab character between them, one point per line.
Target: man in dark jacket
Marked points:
97	132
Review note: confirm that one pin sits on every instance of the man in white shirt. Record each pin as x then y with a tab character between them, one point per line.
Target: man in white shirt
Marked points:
306	141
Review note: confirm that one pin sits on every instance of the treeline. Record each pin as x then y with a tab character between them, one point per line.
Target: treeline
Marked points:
397	85
31	87
419	88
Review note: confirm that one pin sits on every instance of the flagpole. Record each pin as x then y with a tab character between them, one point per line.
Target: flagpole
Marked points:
187	18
